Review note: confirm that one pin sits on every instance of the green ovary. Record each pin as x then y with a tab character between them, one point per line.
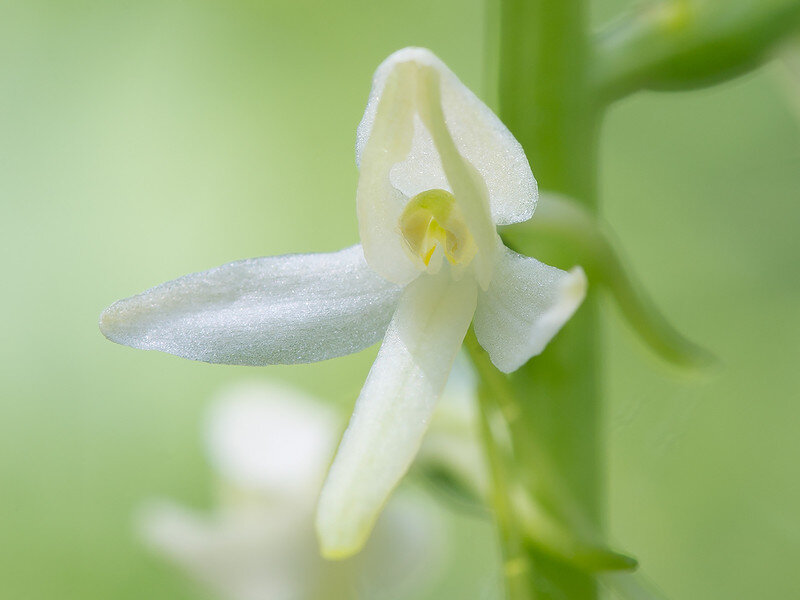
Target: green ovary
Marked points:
432	218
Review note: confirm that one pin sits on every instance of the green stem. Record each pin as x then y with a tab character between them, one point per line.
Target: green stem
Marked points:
545	100
555	81
515	560
562	532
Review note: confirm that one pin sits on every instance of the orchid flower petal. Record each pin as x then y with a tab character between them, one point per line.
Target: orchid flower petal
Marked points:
525	306
394	408
479	135
413	89
466	183
379	204
271	438
276	310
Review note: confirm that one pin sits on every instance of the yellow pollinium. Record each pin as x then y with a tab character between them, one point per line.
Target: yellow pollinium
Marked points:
432	218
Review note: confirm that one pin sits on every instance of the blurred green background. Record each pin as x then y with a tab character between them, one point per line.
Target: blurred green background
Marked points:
143	140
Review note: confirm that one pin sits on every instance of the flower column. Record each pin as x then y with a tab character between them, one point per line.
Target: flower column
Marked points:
545	101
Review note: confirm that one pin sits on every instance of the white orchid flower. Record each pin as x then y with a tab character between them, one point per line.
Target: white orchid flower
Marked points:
269	446
438	172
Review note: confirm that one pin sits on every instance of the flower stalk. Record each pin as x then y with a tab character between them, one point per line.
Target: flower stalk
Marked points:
516	564
545	101
556	79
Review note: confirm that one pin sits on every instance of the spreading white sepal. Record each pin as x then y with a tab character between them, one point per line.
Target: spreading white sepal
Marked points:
394	408
526	304
479	135
288	309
